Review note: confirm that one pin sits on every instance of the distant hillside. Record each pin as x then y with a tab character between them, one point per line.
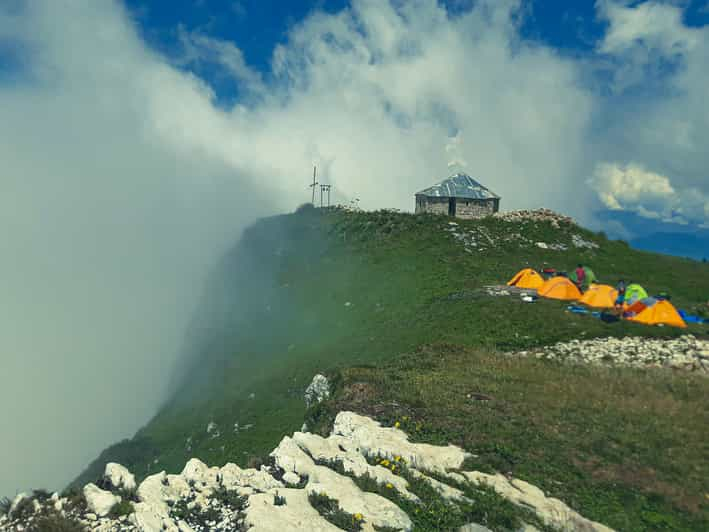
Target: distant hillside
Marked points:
321	291
693	245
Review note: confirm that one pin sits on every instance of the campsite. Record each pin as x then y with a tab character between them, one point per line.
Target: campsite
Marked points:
634	304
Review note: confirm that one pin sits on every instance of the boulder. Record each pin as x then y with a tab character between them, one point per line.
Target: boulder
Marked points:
119	477
371	439
317	391
99	501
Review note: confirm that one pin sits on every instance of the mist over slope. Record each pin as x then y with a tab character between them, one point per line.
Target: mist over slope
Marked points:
314	290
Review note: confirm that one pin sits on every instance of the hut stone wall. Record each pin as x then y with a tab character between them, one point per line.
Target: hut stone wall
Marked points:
464	208
431	205
475	208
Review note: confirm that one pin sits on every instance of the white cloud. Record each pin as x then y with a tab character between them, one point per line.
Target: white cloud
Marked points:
659	118
650	195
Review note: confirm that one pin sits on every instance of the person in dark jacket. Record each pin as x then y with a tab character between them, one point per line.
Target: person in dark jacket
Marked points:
621	295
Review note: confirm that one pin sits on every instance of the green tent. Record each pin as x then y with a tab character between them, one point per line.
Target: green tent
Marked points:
634	292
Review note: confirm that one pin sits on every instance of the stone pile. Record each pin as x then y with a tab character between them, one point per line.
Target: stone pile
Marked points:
476	238
283	495
684	353
536	215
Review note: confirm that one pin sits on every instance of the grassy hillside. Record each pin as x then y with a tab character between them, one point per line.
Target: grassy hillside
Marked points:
323	291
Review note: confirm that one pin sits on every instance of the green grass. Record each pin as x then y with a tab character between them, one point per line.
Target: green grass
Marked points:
275	313
624	447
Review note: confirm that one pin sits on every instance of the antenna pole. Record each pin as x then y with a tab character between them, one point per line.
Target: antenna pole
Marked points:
315	183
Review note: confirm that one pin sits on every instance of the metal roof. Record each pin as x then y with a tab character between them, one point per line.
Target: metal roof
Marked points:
459	186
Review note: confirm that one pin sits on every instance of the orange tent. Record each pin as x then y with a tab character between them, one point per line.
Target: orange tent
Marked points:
651	311
599	296
526	278
559	288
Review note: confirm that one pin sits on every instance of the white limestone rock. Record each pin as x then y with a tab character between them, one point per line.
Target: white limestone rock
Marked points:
262	515
552	511
291	479
339	449
374	508
473	527
317	391
119	477
99	501
148	518
232	476
17	500
371	439
203	477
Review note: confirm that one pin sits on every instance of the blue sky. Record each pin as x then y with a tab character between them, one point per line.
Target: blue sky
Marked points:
139	138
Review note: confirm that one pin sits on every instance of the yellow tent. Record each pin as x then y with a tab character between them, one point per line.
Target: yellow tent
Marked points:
526	278
599	296
559	288
651	311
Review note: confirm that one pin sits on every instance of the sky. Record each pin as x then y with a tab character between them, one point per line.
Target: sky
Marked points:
139	138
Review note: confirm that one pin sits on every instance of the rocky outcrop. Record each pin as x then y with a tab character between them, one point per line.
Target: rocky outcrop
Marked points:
99	501
305	469
317	391
553	512
535	215
686	353
476	238
118	477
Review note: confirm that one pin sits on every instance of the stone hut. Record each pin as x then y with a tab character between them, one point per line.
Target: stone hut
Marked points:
459	196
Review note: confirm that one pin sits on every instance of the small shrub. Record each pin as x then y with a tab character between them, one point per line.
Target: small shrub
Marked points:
179	510
279	500
331	511
55	522
208	514
121	508
230	498
41	495
255	462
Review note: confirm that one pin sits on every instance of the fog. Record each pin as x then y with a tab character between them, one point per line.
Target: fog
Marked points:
124	180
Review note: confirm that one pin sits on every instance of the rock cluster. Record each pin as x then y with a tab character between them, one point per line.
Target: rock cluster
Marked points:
536	215
684	353
283	495
477	238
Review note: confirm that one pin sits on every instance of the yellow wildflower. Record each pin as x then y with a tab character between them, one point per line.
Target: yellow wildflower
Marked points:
397	458
358	517
405	418
389	485
397	424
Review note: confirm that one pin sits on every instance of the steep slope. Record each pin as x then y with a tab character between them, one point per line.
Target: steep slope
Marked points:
322	290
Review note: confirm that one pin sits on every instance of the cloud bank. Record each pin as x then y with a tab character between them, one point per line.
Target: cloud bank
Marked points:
124	176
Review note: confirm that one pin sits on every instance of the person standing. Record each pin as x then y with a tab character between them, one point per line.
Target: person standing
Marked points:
580	277
621	295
